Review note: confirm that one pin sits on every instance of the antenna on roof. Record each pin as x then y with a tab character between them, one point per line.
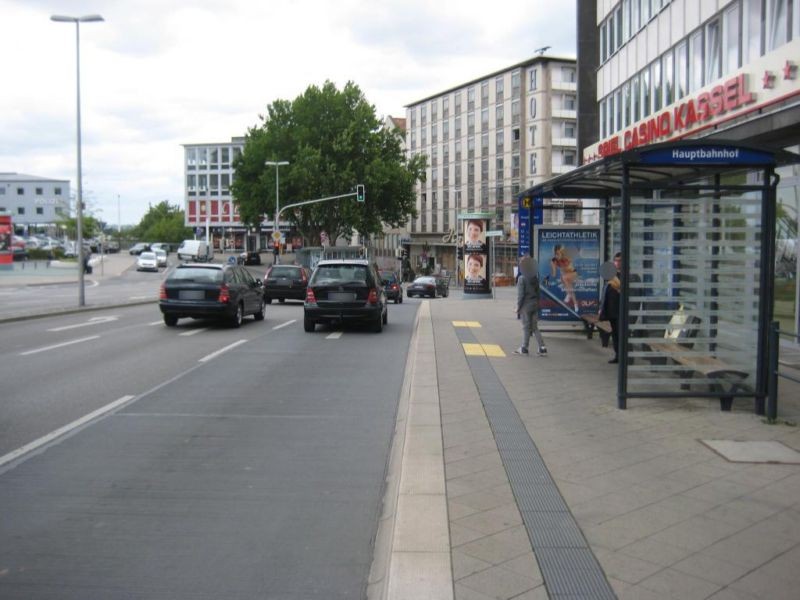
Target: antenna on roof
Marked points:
542	50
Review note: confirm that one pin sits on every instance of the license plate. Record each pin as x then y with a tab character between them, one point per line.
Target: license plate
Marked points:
191	294
341	296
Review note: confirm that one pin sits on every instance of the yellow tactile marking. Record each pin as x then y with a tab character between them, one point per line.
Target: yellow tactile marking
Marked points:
474	324
492	350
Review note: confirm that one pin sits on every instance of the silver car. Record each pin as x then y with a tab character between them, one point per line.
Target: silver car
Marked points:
147	261
161	257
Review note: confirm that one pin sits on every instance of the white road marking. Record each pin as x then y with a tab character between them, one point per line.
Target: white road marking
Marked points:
221	350
155	323
334	336
140	297
61	345
92	321
62	430
193	331
282	325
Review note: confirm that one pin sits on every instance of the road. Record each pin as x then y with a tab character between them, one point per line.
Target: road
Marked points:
233	463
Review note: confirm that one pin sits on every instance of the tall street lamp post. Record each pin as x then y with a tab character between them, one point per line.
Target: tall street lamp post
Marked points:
79	212
277	164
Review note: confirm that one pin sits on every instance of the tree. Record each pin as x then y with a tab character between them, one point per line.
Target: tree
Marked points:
332	141
164	223
89	226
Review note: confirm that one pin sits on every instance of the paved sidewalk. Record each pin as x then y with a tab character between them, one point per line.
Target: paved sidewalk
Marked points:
41	272
661	514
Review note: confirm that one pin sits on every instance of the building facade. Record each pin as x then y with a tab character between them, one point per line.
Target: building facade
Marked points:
36	204
656	71
486	140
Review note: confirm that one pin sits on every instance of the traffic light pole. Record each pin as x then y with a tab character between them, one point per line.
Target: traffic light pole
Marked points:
318	200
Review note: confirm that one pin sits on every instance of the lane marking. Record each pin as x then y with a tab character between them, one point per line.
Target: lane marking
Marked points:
61	345
194	331
155	323
62	430
140	297
282	325
483	350
221	350
92	321
334	336
474	324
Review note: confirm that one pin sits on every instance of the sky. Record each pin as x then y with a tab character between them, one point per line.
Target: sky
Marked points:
157	74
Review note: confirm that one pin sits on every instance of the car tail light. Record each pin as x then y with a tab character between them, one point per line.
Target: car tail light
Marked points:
162	293
394	286
310	297
224	294
373	296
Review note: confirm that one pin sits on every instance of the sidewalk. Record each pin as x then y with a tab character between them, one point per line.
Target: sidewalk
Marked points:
42	272
551	491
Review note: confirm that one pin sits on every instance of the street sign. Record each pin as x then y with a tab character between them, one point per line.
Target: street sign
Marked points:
495	233
276	235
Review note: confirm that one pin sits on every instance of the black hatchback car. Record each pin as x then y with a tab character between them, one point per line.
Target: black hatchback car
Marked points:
227	292
393	286
346	291
428	285
286	281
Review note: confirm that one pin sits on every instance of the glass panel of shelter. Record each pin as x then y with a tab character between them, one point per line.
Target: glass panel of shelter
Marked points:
695	281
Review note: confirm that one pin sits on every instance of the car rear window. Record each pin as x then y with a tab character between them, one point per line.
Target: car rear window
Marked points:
388	277
340	274
197	274
284	272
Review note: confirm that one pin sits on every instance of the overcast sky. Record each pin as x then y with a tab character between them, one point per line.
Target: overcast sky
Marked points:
161	73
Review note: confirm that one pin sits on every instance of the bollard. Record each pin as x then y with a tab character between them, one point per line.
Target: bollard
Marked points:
772	380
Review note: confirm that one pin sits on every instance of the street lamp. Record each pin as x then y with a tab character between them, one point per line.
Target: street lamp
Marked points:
276	164
79	214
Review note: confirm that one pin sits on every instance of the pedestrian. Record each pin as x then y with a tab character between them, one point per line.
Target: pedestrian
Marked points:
609	306
528	305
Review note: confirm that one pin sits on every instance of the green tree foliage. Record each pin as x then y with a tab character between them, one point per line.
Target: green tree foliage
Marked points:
163	223
333	141
90	226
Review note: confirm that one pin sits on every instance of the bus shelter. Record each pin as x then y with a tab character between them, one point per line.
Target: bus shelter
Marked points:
695	224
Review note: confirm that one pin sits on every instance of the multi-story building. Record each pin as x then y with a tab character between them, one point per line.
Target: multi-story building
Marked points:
208	174
662	70
35	203
485	140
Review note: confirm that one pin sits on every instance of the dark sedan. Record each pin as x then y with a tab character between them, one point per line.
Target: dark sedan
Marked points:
427	285
345	291
227	292
286	281
392	285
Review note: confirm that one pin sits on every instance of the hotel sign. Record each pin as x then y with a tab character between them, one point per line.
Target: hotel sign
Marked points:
776	74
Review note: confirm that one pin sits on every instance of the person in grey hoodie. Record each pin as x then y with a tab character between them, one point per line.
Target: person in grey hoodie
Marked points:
528	305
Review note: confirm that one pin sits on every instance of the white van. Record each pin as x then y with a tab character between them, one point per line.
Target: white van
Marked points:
195	250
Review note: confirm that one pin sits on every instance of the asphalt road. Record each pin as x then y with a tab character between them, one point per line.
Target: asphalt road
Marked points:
237	463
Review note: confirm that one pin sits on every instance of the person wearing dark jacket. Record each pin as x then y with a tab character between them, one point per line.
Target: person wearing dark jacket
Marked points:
528	305
609	306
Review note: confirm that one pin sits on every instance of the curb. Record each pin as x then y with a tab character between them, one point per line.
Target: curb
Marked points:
412	547
70	311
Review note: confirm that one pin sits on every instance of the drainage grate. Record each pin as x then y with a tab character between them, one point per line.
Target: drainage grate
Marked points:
568	566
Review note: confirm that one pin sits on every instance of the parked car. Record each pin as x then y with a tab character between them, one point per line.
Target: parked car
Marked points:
345	290
392	285
286	281
195	250
161	257
160	246
427	285
251	257
219	291
137	249
147	261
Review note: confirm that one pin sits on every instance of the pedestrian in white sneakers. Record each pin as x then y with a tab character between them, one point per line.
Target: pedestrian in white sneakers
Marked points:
528	305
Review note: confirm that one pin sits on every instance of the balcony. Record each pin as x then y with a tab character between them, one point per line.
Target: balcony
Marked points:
562	113
564	86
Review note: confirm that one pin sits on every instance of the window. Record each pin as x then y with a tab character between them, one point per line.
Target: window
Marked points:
515	112
532	113
626	104
470	148
214	160
434	133
484	144
499	85
635	16
569	129
658	90
445	131
602	119
445	107
471	123
484	93
39	191
191	158
226	157
681	71
434	111
626	19
696	61
515	166
603	52
570	157
40	210
732	32
569	102
57	191
636	99
777	24
20	210
484	119
515	84
471	99
532	83
423	115
458	151
751	20
568	74
645	12
498	116
225	183
413	140
713	55
499	169
2	192
446	157
618	112
498	142
645	81
669	78
20	191
485	169
457	103
458	127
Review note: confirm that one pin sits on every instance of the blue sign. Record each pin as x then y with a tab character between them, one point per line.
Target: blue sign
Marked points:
524	227
706	155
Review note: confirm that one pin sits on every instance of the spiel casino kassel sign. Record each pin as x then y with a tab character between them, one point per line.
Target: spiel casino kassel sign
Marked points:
715	104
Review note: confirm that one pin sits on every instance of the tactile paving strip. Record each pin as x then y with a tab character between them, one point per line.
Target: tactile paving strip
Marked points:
568	565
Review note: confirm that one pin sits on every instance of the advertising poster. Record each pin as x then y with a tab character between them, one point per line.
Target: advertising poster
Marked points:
569	271
476	255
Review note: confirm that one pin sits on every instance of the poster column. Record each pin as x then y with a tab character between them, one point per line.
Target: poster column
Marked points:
477	272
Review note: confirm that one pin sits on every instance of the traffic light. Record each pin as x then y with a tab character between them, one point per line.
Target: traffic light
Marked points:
460	252
360	192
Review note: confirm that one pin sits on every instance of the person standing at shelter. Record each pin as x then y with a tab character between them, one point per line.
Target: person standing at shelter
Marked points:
609	306
528	305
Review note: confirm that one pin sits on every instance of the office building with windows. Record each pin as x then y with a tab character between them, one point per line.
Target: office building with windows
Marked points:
653	71
36	204
486	140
